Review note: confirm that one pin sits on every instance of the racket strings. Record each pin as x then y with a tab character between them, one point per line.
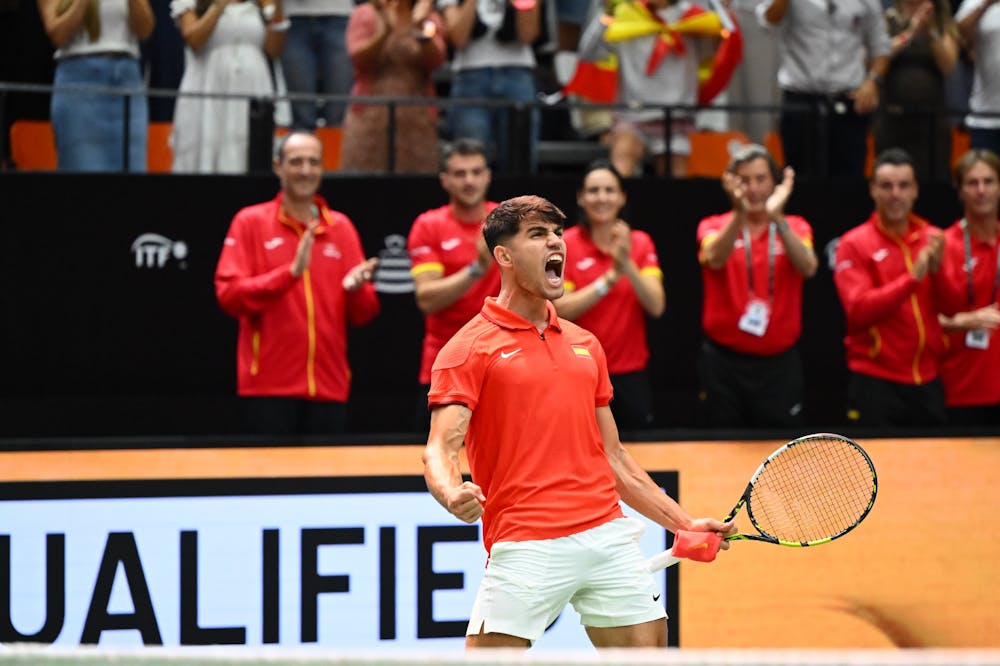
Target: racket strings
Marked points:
814	490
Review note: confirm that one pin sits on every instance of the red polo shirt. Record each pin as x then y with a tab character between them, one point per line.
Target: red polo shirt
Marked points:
533	443
440	242
618	319
726	291
970	376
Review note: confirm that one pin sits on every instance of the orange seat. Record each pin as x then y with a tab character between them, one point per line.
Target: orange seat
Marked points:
159	154
960	142
32	145
332	137
711	151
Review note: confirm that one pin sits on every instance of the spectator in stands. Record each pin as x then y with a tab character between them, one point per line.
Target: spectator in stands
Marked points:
97	44
979	24
913	114
293	272
755	81
453	271
395	46
493	59
229	44
887	275
613	281
315	59
753	263
833	56
970	370
650	73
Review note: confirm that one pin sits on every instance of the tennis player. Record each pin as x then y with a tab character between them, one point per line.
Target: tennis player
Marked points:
528	394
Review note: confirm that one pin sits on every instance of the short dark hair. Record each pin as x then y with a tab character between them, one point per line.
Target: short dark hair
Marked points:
279	147
894	157
504	221
754	151
973	157
464	146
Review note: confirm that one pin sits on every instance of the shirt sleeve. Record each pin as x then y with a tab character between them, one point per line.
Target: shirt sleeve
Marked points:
604	391
864	303
644	254
360	28
239	290
422	248
457	375
362	303
966	8
592	45
876	32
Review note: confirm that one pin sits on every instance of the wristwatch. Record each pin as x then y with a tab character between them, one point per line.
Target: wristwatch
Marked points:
475	270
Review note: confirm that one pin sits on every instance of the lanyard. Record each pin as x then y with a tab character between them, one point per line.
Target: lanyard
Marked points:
771	230
968	266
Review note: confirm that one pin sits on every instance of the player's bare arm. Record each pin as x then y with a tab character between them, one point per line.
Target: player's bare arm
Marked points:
442	469
641	493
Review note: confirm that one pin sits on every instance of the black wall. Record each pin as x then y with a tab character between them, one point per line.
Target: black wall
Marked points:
91	344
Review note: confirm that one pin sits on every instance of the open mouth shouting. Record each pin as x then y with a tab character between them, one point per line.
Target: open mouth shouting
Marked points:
554	268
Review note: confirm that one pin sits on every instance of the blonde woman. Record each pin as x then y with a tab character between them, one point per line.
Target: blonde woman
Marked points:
97	44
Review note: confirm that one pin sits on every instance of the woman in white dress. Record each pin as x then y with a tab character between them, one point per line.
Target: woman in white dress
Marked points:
229	44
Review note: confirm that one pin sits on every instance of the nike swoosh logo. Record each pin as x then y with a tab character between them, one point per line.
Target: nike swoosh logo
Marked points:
700	545
656	597
509	354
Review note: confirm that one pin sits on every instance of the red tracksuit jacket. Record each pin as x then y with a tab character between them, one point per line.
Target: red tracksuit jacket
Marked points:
293	331
892	327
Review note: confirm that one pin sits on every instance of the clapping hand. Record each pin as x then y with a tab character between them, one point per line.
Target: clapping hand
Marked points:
360	274
775	204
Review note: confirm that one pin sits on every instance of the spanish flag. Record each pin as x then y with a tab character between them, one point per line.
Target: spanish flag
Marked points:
597	81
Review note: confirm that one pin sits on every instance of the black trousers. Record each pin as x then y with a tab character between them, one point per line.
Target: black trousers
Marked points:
744	390
293	416
872	401
827	138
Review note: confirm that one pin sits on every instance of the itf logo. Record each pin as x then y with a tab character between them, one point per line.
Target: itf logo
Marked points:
393	273
153	250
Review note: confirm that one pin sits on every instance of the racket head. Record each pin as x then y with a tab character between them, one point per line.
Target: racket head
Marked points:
811	490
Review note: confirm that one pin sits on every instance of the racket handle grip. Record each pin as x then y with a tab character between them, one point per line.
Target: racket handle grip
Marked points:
662	560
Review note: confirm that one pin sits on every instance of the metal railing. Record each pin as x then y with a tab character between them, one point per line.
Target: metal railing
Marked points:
522	153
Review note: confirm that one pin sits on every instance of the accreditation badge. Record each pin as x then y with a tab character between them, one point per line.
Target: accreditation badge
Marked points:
756	318
977	339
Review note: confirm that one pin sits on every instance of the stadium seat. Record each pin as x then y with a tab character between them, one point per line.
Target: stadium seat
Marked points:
331	138
710	152
159	154
32	145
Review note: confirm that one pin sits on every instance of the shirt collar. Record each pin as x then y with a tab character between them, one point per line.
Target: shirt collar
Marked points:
504	318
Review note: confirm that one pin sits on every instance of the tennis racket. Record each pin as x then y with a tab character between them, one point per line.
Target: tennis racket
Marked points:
810	491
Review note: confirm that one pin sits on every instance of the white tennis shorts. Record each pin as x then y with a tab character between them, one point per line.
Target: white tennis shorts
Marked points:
601	571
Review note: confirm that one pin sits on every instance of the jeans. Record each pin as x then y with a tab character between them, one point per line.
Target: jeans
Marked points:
89	127
315	60
491	125
985	137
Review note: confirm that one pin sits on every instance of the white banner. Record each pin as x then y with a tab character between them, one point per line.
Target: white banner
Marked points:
360	570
